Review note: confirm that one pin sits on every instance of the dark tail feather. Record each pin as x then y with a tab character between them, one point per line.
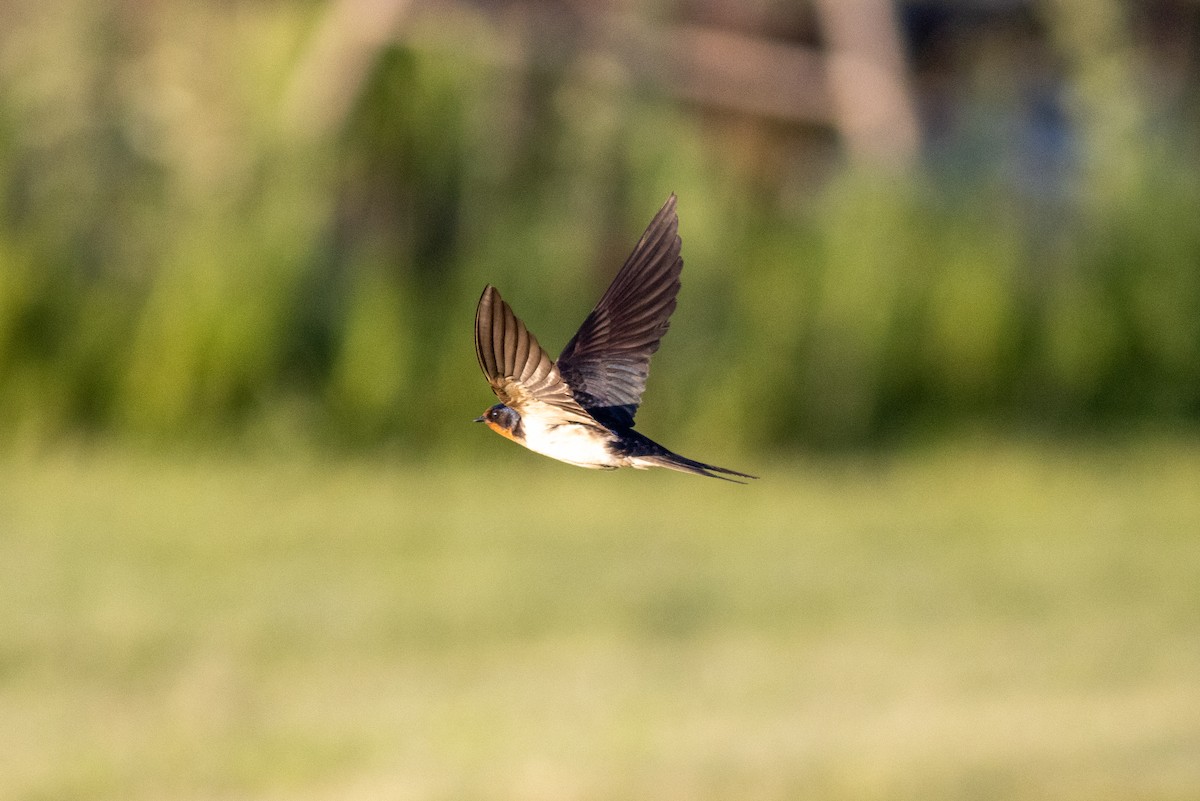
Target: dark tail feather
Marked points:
674	461
650	452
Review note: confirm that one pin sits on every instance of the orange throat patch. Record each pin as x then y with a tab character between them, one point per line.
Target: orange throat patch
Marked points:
504	432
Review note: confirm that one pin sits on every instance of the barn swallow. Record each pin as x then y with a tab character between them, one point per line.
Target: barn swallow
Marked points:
580	408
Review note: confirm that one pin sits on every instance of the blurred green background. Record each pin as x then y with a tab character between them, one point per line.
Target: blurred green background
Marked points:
942	289
222	219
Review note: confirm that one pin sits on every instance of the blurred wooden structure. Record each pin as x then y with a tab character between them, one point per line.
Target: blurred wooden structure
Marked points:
836	65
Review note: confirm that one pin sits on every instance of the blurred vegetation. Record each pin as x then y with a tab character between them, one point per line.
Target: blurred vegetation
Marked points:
980	622
182	255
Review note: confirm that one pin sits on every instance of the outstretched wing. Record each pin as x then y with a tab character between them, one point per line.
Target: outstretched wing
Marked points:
606	363
519	370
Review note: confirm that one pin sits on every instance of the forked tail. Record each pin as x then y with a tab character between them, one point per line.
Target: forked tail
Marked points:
647	453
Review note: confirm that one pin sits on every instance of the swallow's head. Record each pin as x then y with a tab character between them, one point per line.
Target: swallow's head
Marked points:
504	421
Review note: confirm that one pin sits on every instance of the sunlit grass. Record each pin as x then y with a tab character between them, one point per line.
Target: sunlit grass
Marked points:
977	622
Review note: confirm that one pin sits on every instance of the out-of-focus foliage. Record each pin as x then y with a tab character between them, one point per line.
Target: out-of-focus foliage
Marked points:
180	255
980	622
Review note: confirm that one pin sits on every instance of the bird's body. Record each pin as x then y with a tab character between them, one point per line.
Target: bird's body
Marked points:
574	443
580	408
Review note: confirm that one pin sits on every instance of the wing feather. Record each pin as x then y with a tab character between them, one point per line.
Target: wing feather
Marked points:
519	370
607	362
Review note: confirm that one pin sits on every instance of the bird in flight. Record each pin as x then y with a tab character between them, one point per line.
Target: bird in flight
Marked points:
580	408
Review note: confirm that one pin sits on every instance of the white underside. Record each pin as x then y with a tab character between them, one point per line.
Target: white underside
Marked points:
642	464
583	446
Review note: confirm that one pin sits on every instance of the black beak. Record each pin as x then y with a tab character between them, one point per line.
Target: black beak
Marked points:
477	420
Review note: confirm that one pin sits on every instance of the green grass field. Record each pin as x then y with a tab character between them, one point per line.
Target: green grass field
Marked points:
973	622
